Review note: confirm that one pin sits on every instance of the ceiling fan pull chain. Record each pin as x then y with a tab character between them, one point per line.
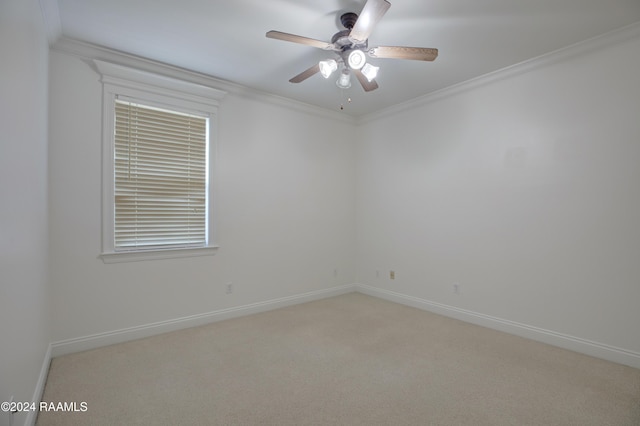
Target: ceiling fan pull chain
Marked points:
342	99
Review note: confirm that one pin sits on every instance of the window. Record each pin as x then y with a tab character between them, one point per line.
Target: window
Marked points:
158	163
160	178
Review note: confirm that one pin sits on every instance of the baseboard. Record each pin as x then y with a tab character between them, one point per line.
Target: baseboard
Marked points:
118	336
32	415
577	344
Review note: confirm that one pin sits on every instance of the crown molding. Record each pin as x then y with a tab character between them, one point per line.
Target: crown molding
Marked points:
51	17
581	48
92	52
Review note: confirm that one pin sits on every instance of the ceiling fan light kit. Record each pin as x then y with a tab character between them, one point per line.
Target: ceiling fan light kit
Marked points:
351	46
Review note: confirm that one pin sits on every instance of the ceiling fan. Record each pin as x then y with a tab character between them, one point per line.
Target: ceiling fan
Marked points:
351	44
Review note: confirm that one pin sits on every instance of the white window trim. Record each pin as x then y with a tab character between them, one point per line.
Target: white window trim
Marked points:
160	90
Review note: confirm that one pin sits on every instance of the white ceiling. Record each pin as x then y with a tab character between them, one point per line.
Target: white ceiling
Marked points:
226	39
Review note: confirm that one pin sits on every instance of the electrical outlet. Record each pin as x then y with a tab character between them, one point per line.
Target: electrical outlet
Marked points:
392	275
229	288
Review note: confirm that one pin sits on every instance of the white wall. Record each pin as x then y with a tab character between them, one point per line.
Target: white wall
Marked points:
24	312
285	213
523	189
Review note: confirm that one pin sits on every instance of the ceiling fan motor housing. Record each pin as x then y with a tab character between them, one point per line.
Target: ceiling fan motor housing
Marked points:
349	20
341	40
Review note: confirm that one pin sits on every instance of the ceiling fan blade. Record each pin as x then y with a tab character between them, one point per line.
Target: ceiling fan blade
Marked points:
306	74
367	85
402	52
278	35
371	13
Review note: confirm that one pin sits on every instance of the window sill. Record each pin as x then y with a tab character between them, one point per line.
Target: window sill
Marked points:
137	256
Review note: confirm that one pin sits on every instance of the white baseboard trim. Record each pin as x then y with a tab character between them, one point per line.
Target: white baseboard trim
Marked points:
32	415
84	343
576	344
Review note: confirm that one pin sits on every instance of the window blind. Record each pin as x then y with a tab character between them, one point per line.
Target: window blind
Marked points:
160	178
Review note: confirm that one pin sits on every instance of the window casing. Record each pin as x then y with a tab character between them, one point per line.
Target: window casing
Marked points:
159	138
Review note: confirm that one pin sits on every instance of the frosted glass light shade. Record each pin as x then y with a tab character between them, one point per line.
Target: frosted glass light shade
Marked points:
344	81
328	67
370	71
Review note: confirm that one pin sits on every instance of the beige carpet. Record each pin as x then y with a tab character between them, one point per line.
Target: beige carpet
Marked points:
347	360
